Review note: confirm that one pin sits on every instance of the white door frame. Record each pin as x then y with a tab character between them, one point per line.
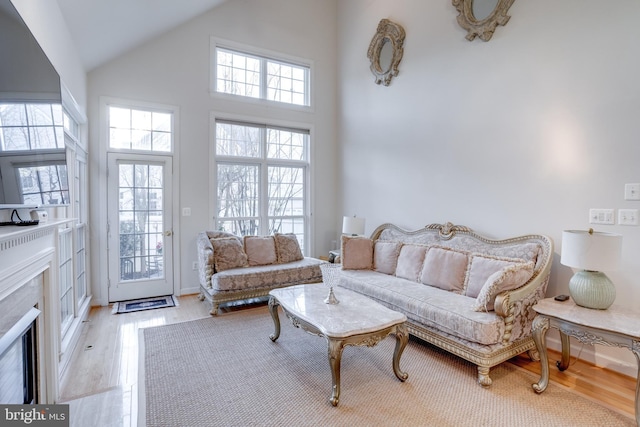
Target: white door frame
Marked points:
123	290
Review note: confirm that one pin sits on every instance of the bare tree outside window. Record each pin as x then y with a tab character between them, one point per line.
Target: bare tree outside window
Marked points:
261	179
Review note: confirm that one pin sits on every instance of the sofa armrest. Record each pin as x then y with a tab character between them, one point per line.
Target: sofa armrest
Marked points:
518	303
205	259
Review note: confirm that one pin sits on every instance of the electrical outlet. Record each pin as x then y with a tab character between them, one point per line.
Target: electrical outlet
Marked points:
632	191
601	216
194	266
186	211
628	216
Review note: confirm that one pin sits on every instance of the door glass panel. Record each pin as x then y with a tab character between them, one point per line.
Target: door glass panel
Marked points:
140	221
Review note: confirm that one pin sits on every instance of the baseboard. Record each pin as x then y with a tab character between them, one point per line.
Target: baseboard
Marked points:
190	291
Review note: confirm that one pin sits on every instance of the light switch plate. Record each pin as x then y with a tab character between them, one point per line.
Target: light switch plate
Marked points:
628	216
632	191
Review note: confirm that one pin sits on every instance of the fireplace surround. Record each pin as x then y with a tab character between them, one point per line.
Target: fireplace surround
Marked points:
28	282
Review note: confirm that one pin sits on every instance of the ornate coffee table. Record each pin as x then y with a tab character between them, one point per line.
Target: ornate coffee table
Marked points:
356	320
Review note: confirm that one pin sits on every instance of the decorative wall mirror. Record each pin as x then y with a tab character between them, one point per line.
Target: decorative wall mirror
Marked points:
385	51
481	17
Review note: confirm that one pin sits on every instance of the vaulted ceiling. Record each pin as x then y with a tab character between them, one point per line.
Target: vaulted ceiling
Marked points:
105	29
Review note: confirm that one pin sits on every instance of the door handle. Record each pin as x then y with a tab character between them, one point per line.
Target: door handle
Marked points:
168	233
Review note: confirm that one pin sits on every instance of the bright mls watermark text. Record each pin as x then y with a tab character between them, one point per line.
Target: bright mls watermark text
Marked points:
34	415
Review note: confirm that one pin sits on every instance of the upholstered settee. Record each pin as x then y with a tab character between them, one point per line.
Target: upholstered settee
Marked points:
233	268
465	293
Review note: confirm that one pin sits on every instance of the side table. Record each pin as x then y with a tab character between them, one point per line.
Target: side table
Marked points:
614	327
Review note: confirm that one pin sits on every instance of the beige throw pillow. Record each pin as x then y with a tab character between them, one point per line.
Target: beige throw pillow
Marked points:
260	250
385	256
445	268
357	253
481	267
410	262
510	277
287	248
228	253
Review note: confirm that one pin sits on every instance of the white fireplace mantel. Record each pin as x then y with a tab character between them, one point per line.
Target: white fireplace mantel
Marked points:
28	255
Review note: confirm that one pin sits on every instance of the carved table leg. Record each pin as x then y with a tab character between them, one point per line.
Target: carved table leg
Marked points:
539	328
402	338
566	352
636	351
335	355
273	309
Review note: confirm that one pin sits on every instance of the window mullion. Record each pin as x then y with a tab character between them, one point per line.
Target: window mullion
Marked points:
263	78
264	185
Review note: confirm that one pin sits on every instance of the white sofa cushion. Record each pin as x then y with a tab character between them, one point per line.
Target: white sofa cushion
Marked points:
482	266
262	276
445	268
385	256
509	277
410	262
435	308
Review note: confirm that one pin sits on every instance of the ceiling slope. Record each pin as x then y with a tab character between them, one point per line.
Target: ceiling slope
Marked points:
105	29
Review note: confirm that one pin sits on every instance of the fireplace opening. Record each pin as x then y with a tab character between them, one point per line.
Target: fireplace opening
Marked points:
19	362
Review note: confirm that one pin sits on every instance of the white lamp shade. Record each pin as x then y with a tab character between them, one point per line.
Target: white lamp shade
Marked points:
352	225
595	251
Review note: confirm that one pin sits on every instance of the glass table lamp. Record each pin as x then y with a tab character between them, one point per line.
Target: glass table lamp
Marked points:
591	252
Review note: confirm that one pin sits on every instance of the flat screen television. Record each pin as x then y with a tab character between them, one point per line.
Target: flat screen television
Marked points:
33	162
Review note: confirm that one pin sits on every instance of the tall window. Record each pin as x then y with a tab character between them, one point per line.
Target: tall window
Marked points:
262	174
255	76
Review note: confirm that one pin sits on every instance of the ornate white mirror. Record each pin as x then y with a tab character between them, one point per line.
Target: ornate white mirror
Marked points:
385	51
481	17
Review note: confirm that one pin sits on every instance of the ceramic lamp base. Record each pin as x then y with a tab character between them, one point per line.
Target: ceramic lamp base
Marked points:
592	289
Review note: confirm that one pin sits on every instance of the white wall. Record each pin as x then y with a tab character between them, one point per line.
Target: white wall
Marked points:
174	70
521	134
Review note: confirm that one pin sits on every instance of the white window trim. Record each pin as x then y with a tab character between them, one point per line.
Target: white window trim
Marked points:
147	106
213	179
216	42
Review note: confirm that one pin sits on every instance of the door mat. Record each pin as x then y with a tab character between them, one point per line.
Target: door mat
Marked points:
144	304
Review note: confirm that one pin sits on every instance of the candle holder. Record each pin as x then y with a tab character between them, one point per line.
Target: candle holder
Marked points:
331	278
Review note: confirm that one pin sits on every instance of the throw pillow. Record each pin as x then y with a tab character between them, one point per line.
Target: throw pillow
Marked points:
510	277
357	253
385	256
481	267
287	248
410	262
260	250
228	253
445	268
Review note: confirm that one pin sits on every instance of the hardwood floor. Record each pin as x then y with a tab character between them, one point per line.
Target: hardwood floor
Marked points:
101	384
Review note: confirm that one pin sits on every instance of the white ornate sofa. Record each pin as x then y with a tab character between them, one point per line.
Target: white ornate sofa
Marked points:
231	268
460	291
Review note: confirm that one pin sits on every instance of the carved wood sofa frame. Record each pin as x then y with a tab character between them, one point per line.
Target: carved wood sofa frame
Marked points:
506	303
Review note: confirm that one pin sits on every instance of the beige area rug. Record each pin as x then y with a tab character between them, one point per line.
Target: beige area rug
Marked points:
225	371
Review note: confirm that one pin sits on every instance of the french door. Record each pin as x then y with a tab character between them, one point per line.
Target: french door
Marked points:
140	236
